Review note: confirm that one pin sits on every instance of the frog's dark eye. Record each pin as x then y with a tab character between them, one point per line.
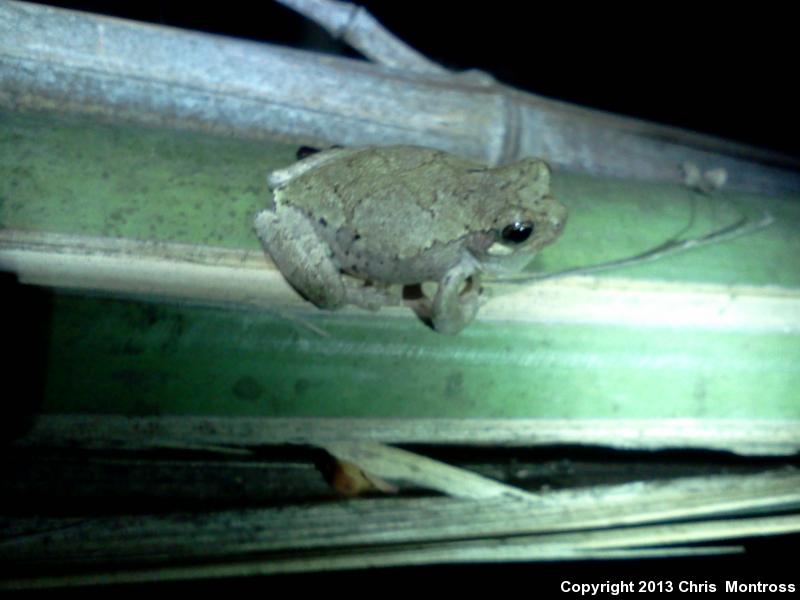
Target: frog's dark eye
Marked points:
517	232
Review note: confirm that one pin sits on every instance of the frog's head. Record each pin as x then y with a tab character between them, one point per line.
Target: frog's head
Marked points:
528	219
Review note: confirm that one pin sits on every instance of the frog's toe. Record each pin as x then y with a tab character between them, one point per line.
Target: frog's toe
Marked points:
370	296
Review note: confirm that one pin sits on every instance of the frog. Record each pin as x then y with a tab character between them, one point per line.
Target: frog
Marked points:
376	226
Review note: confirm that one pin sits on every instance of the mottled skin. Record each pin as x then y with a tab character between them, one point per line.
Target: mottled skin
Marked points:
346	225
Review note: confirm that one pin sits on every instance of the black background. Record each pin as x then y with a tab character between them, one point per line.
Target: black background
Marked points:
729	71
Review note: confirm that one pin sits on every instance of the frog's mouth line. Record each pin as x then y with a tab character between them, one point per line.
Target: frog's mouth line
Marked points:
502	264
498	249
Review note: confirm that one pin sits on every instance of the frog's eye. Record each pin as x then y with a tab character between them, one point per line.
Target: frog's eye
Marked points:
517	232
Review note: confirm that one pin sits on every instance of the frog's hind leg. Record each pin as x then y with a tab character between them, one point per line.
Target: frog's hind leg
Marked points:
307	262
289	237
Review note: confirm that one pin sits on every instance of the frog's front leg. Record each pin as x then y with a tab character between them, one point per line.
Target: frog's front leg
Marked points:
308	264
457	299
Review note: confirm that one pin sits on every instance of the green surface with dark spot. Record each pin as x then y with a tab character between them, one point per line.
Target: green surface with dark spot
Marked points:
77	176
73	175
137	358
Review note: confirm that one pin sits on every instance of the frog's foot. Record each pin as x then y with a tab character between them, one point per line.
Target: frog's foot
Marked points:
456	303
454	306
370	296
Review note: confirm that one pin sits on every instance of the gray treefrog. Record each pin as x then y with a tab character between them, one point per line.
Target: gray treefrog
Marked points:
354	225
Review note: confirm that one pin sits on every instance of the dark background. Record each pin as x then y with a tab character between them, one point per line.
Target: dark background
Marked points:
731	72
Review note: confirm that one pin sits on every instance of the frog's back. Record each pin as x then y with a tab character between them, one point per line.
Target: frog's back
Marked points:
399	200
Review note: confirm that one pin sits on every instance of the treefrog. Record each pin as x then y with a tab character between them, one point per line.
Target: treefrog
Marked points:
356	225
